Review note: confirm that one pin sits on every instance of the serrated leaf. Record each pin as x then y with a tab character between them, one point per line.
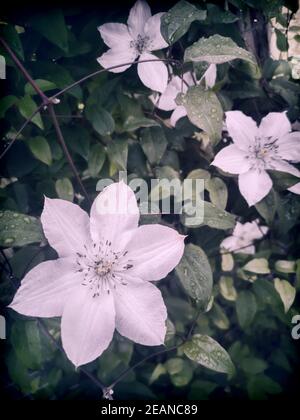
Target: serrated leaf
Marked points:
246	308
40	149
154	144
176	22
64	189
204	110
217	49
208	352
195	274
27	106
286	292
96	160
18	229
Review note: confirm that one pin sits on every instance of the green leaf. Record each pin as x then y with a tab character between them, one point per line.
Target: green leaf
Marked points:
204	110
246	308
227	289
40	149
100	119
133	122
18	229
260	386
219	317
281	40
283	180
96	159
253	365
12	37
258	266
64	189
211	216
176	22
268	206
44	85
217	49
218	192
117	152
195	274
208	352
154	144
286	292
26	107
7	102
52	26
180	371
285	266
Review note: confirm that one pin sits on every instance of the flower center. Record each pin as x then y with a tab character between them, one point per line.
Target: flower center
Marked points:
102	267
262	153
141	43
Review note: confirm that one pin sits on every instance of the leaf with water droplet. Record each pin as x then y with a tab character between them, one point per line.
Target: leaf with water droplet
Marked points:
198	102
17	229
217	49
195	274
209	353
176	22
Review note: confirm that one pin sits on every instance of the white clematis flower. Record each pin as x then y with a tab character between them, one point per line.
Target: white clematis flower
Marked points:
257	149
166	101
135	40
243	235
101	280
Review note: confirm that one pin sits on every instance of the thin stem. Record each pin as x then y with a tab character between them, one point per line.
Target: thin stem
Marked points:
27	121
62	142
24	71
95	73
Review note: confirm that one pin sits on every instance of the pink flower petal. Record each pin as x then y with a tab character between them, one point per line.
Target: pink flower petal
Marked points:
114	213
166	101
154	250
283	166
295	188
275	124
241	128
177	114
289	146
87	325
152	30
45	289
140	313
115	34
232	159
138	16
116	57
153	74
66	226
210	75
254	185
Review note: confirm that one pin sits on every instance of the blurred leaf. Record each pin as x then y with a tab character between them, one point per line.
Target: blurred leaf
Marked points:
51	24
217	49
219	317
40	149
7	102
157	372
12	37
44	85
260	386
258	266
100	119
180	371
154	144
286	292
227	289
204	110
218	192
283	180
285	266
19	229
281	40
176	22
253	365
64	189
195	274
117	152
27	106
96	159
246	308
208	352
267	207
